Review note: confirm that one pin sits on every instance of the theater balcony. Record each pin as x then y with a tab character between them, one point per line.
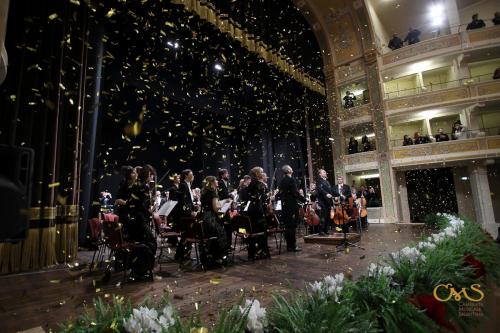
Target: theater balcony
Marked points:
475	89
361	161
449	44
448	151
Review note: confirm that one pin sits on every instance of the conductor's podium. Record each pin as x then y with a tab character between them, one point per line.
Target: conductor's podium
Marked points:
332	239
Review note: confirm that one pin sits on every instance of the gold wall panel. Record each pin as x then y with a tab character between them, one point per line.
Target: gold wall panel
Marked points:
488	88
411	152
421	48
360	158
354	70
357	112
484	34
343	33
454	147
493	143
428	98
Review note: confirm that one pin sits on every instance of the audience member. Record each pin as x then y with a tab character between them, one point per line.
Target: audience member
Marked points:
353	145
407	141
457	131
413	36
418	138
366	143
349	99
441	136
496	18
476	23
395	43
496	75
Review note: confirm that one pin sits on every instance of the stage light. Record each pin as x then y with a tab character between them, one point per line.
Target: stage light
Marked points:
218	67
436	14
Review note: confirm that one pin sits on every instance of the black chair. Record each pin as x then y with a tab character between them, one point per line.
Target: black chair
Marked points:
192	231
242	228
113	238
274	229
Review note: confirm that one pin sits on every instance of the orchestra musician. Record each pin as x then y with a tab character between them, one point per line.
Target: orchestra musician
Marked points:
324	195
341	190
290	199
223	194
184	208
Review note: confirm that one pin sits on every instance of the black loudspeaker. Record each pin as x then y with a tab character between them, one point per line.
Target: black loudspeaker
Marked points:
16	175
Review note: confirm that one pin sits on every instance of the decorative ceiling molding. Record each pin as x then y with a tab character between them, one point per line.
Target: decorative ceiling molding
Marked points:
251	43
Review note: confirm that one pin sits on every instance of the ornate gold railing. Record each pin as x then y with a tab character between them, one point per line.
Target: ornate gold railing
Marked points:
455	150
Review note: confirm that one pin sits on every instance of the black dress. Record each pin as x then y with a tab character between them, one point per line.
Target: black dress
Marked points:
216	251
256	194
138	230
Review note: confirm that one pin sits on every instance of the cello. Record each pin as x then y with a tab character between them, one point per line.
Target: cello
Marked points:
338	213
312	219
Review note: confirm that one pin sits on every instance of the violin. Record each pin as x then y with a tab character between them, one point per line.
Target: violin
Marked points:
311	217
338	213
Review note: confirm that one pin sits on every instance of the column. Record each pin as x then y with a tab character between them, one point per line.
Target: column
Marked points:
463	192
404	207
481	195
452	15
428	126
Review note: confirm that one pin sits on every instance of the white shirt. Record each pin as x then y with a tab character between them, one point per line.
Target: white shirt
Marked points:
190	192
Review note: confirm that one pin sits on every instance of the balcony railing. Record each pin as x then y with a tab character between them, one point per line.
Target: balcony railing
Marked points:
361	161
447	151
468	134
459	39
439	86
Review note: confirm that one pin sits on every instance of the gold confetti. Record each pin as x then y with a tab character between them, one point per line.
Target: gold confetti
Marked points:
54	184
53	16
215	280
111	12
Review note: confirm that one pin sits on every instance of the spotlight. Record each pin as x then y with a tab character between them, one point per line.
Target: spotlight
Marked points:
436	13
218	67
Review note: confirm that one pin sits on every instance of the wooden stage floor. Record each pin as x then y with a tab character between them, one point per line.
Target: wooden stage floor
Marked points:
50	297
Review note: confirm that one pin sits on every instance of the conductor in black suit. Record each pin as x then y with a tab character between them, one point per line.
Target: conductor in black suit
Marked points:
290	198
341	190
324	194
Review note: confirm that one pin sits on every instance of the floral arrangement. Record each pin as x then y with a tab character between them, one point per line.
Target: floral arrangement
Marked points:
395	296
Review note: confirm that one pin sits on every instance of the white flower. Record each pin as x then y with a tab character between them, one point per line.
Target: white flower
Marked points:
167	318
376	270
410	254
131	325
330	286
426	245
256	319
145	319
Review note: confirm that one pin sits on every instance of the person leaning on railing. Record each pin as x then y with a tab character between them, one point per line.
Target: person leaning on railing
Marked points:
457	131
407	141
496	18
476	23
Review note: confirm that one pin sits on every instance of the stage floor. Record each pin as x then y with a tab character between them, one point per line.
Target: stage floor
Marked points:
48	298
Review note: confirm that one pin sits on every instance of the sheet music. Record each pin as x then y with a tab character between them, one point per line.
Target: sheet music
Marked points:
167	208
225	207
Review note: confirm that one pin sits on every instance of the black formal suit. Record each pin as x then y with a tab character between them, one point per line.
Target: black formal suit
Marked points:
323	188
343	192
222	190
223	193
290	198
184	208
